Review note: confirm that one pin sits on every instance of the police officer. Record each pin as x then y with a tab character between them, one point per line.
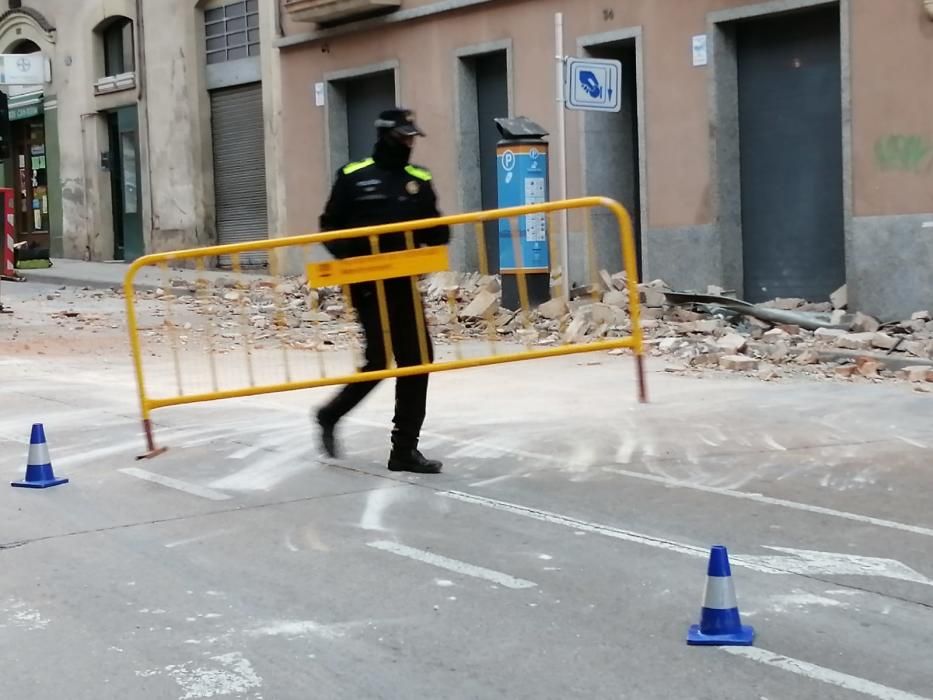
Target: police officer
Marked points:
384	189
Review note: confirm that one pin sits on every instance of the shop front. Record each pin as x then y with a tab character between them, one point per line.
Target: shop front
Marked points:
29	176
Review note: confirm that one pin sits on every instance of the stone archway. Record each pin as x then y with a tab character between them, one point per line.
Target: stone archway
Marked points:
25	24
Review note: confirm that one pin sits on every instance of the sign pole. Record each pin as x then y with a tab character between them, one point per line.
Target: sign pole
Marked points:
562	149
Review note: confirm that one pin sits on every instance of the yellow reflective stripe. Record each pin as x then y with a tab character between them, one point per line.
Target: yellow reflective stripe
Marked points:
359	165
419	173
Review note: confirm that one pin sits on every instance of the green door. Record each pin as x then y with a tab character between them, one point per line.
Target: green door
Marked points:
128	223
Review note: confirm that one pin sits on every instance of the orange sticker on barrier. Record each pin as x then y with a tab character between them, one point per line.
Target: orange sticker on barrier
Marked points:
381	266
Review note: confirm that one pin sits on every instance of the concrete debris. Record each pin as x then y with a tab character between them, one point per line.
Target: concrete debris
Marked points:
828	334
884	341
785	338
768	372
616	298
653	293
776	334
868	368
576	331
652	298
732	343
483	304
785	304
840	298
862	323
738	363
553	309
855	341
608	282
916	374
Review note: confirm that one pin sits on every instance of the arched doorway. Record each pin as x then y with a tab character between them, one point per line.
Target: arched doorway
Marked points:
27	171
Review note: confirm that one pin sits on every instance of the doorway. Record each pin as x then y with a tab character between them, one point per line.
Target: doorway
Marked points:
613	164
30	175
483	98
123	131
366	97
791	159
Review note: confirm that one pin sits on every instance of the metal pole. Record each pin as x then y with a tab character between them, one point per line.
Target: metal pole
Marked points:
562	161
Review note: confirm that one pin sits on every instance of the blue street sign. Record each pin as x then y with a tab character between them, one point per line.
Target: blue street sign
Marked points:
594	84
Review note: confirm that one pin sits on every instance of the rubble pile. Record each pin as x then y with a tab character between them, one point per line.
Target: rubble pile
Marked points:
693	336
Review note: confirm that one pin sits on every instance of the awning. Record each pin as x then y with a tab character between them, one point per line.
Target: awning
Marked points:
30	104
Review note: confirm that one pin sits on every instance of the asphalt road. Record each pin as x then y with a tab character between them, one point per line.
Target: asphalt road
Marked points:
561	554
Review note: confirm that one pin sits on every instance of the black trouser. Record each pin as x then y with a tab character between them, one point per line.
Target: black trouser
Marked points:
410	392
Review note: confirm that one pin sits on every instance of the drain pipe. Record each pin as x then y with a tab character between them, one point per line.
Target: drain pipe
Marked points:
143	103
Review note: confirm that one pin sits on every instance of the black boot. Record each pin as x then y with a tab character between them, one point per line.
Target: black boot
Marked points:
411	460
328	440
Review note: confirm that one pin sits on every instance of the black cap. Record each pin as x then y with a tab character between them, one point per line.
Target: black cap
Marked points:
401	121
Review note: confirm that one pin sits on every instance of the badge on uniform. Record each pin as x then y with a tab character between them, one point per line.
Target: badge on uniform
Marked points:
413	187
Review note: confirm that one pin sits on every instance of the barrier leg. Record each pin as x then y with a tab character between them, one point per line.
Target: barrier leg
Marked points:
153	451
642	384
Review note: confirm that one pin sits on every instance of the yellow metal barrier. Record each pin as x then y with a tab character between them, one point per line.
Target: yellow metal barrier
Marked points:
235	360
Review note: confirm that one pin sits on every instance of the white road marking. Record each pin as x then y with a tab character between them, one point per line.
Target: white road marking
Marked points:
199	538
376	504
584	526
771	442
493	480
298	628
759	498
625	454
171	483
823	675
452	565
801	562
269	471
808	562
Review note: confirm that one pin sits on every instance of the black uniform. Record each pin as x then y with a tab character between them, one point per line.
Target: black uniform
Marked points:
380	190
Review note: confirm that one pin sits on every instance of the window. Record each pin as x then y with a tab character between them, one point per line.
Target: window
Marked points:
118	47
232	31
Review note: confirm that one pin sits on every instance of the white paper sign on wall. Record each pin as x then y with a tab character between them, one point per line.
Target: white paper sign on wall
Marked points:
700	57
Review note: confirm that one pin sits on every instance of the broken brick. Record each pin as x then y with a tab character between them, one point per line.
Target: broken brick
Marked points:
863	323
738	363
731	343
917	374
855	341
868	368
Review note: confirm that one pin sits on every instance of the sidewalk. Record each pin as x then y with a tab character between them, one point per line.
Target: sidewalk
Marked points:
108	275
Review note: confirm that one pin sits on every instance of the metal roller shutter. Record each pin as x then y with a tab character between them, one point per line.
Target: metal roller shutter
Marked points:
239	168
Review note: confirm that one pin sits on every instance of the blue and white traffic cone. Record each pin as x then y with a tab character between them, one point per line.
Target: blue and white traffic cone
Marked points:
720	623
39	473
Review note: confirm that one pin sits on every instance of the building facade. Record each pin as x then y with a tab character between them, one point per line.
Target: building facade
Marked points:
158	115
777	148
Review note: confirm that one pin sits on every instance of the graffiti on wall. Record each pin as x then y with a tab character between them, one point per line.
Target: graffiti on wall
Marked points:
910	153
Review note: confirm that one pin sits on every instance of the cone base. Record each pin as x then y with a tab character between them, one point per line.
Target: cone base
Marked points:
44	484
743	638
